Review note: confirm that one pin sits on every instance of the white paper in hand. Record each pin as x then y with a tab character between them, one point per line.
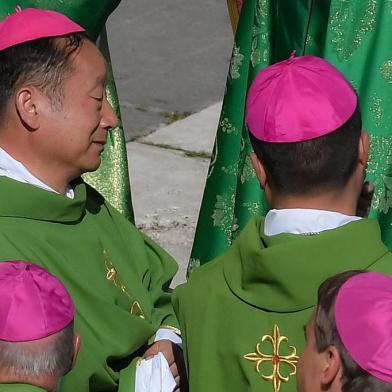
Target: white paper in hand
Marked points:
154	375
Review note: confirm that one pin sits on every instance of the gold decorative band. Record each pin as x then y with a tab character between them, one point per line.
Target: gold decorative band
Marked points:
234	14
174	329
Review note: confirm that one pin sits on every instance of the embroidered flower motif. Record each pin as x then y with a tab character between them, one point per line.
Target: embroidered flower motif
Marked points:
277	359
386	71
260	52
236	62
227	126
360	16
223	215
380	173
192	266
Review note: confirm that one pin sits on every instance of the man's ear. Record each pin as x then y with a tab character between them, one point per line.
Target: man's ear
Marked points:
27	105
259	169
332	367
77	342
363	149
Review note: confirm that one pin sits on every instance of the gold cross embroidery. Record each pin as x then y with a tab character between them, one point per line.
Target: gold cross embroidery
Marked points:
112	276
275	358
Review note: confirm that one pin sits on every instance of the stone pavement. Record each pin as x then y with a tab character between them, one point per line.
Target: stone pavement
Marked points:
170	58
168	170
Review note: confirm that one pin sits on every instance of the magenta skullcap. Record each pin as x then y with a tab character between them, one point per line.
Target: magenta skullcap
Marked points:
298	99
363	316
33	303
31	23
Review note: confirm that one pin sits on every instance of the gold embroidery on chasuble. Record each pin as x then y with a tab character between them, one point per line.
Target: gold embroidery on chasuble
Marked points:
278	360
112	276
171	328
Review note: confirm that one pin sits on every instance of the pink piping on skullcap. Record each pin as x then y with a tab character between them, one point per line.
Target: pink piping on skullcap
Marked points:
31	24
298	99
33	303
363	316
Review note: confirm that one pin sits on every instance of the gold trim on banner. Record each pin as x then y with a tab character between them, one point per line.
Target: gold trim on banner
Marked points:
234	14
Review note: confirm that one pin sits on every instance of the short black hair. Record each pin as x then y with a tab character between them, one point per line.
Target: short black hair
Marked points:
322	164
354	378
42	63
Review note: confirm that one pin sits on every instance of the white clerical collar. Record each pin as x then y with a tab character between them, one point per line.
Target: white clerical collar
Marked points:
11	168
304	221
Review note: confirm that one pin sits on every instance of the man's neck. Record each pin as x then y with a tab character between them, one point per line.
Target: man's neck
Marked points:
48	383
328	202
51	178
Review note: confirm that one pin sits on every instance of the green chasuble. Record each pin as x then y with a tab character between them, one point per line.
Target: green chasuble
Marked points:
20	388
355	36
242	315
111	179
117	277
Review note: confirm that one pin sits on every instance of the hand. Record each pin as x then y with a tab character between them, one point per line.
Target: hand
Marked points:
365	199
174	358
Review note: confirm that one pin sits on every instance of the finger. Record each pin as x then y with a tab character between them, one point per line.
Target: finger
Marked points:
177	381
151	352
168	354
369	186
174	370
367	190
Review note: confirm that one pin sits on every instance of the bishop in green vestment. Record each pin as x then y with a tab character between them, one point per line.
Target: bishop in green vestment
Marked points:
242	315
354	35
117	277
112	177
54	124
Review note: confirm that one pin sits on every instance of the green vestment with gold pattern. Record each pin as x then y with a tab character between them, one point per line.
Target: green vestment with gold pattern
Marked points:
242	315
355	36
118	278
111	179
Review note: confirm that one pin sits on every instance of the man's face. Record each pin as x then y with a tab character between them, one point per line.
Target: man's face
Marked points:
74	135
310	362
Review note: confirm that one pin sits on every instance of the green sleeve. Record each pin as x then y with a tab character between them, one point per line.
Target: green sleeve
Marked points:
162	270
127	377
158	271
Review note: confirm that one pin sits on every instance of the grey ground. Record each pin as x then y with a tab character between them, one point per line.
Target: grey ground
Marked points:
170	59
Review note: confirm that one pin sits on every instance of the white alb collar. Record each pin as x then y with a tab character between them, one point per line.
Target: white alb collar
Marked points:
11	168
304	221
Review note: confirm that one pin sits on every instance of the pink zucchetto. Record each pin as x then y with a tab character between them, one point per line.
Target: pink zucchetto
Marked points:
363	316
31	23
298	99
33	303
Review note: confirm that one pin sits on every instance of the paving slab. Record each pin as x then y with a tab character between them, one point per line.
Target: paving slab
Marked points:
195	133
167	187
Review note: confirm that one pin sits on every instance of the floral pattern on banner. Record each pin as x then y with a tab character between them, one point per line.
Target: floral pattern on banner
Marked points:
236	63
350	22
380	172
